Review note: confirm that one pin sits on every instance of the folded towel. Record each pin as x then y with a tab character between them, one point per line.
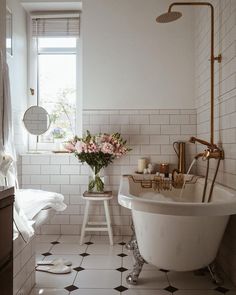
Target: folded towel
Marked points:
33	201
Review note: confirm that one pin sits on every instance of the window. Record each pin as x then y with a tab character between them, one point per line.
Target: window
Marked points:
57	85
55	42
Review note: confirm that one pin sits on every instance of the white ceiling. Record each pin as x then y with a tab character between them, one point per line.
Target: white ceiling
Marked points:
51	5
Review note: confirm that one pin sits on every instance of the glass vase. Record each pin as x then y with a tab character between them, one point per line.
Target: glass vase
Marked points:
96	180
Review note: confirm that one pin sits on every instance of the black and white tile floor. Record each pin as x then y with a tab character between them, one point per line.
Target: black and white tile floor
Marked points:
101	269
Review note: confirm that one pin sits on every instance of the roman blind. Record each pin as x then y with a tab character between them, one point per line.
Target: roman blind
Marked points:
56	27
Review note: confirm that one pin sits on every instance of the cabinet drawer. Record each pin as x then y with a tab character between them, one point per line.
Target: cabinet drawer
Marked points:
6	286
6	234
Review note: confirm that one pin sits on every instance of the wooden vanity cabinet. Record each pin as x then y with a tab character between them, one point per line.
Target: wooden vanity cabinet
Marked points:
6	240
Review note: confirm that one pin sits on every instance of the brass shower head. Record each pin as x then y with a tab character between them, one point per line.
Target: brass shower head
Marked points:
168	17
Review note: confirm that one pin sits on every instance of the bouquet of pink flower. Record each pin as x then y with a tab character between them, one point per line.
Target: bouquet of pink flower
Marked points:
97	151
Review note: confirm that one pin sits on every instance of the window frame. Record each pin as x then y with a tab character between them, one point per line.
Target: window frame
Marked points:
33	143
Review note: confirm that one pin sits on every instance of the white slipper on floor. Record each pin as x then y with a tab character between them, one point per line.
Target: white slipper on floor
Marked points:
55	269
55	262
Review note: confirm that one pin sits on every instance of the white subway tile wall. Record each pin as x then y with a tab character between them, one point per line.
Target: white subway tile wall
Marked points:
24	266
150	133
225	103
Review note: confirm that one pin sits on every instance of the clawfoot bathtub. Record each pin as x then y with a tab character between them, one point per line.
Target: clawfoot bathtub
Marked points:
173	232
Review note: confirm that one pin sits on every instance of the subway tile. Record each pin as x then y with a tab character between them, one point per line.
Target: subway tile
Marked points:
76	199
179	119
119	119
30	169
139	139
159	139
171	111
42	159
139	119
25	159
59	159
94	129
76	219
130	129
70	189
159	119
25	179
74	160
47	229
149	112
167	149
50	169
70	169
39	179
79	179
99	119
72	209
84	169
51	187
59	179
170	129
70	229
111	129
150	129
120	220
60	219
188	129
150	149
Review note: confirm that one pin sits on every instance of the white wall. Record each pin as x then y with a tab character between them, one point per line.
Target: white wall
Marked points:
130	61
18	74
2	49
225	105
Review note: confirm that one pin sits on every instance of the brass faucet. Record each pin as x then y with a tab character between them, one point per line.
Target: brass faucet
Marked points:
212	151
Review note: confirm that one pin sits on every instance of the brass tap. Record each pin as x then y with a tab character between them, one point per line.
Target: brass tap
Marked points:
212	151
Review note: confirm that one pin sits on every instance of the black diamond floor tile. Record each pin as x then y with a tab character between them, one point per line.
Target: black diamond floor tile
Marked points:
121	255
89	243
84	254
71	288
47	254
163	270
121	269
171	289
78	268
122	243
121	288
55	243
222	290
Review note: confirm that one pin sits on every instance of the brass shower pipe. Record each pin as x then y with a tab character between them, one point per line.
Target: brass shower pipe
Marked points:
213	58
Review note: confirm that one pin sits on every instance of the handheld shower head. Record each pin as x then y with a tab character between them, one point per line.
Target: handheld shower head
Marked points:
168	17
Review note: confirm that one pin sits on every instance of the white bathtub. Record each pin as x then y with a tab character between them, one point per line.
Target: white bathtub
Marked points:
174	233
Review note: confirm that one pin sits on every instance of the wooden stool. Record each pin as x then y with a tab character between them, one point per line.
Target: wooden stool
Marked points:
94	226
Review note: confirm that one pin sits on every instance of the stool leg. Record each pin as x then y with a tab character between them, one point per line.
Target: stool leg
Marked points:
85	220
108	219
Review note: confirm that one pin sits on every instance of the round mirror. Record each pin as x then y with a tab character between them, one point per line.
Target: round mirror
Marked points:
36	120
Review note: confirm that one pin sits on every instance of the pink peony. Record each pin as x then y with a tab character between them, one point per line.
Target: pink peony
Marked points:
80	147
107	148
92	148
70	147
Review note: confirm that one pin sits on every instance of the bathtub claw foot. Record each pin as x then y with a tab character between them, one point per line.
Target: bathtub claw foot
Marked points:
132	278
217	279
130	245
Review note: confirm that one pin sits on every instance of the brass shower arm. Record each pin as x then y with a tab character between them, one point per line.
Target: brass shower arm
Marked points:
213	58
190	3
